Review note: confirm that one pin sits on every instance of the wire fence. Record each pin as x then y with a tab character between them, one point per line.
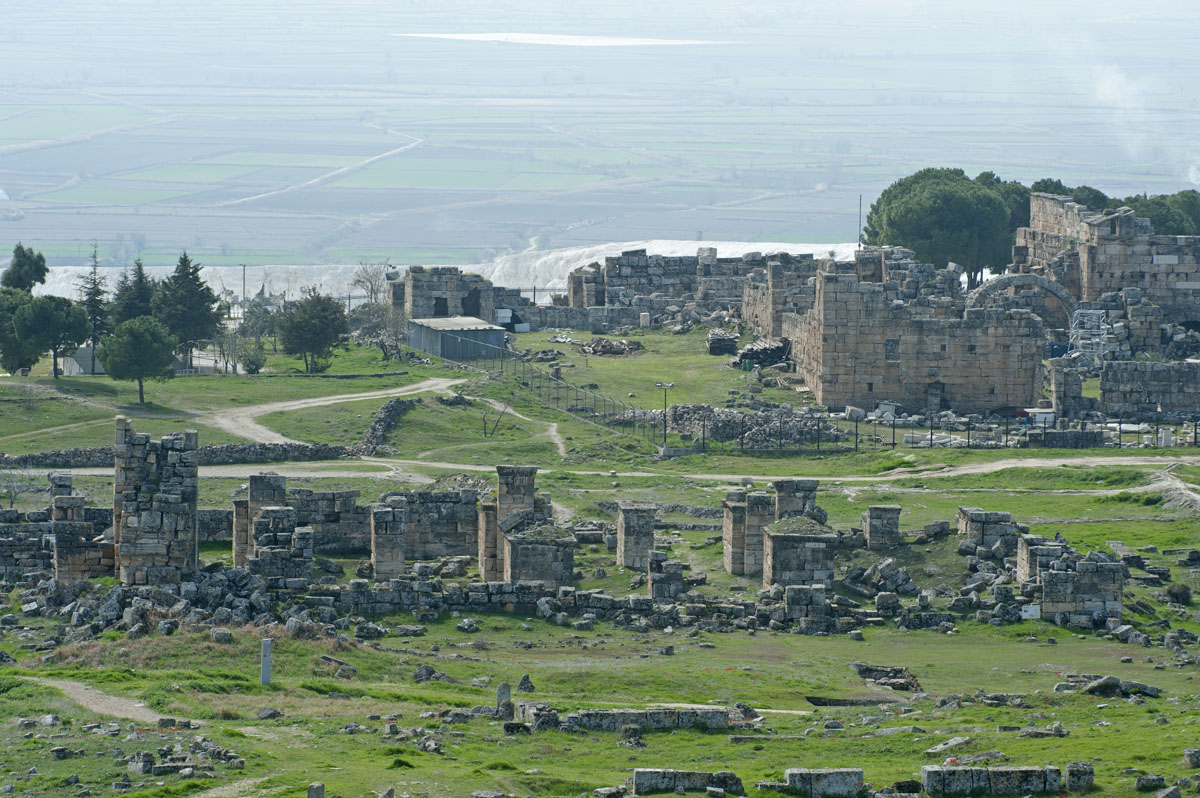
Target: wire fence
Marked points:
785	432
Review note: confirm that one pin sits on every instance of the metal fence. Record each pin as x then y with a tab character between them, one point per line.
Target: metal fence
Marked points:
590	405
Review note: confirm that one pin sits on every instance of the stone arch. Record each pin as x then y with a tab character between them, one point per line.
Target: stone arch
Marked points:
980	296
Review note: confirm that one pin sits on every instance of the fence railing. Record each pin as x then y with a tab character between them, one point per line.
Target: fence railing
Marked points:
782	432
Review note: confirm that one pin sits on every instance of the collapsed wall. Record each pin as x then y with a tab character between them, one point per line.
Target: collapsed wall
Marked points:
1093	253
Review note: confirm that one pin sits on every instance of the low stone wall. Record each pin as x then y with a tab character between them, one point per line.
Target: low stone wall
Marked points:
102	456
654	719
646	781
937	780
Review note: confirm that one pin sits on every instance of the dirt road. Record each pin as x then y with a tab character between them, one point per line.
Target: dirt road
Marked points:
240	421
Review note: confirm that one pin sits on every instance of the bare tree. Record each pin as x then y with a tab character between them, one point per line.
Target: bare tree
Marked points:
13	484
372	279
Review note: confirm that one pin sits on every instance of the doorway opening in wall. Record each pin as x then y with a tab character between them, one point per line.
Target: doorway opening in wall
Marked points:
440	307
935	396
471	303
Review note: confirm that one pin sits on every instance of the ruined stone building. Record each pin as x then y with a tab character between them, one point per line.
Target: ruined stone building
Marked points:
1093	253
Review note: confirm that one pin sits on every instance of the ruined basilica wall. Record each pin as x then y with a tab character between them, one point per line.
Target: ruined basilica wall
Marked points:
858	346
1135	388
1094	253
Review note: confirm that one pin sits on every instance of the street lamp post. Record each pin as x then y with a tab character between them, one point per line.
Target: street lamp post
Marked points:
664	386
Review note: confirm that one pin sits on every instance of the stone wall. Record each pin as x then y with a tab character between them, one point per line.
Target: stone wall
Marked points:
646	781
798	559
77	556
387	538
154	506
1095	253
947	780
102	456
544	554
1135	389
439	524
279	549
862	343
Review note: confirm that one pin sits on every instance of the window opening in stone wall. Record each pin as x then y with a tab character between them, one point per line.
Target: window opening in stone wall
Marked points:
891	349
440	306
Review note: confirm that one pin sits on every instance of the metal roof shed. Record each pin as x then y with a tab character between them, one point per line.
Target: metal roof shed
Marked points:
455	337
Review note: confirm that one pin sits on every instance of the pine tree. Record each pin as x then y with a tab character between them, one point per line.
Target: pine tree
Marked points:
92	298
134	295
27	269
187	307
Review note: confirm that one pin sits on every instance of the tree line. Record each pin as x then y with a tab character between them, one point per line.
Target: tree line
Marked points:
144	329
943	215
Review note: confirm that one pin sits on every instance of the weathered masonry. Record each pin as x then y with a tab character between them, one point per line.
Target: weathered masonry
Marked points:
1093	253
861	343
154	506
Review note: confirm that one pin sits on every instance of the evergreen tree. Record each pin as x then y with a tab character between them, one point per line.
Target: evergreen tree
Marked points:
312	328
15	353
51	322
93	300
139	349
942	215
28	268
134	295
187	307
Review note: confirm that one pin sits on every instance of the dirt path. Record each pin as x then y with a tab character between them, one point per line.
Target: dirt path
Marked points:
240	420
102	703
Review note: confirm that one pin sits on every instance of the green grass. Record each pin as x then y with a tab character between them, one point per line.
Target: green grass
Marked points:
342	424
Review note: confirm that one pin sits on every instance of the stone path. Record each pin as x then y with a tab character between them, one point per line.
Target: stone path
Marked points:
240	421
102	703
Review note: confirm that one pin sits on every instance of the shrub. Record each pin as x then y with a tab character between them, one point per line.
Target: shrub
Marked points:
1180	593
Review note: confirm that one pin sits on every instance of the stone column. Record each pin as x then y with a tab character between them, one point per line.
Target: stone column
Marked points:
733	534
490	567
635	534
760	512
241	532
881	525
516	490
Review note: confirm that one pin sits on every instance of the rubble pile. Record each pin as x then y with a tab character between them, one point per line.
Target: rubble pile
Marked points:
605	346
768	429
721	342
764	352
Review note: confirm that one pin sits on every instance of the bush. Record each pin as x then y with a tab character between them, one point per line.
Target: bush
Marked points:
1180	593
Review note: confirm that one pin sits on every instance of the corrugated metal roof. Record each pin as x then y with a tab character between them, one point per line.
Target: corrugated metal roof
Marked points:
456	323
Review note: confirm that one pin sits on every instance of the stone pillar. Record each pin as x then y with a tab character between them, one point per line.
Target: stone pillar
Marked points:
516	490
387	538
241	532
155	487
794	496
635	534
490	567
60	484
760	512
266	490
881	525
733	534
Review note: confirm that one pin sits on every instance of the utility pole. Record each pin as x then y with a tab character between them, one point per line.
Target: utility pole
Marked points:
858	232
243	289
664	386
